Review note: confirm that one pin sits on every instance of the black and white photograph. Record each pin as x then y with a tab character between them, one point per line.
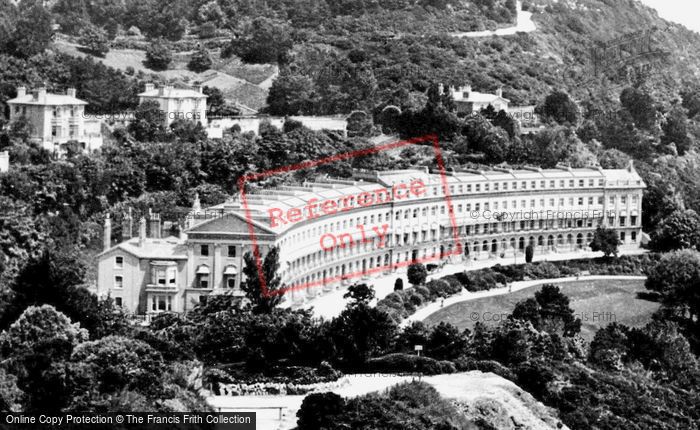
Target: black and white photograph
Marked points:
349	214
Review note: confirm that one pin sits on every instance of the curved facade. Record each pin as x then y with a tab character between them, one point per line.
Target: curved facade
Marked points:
334	232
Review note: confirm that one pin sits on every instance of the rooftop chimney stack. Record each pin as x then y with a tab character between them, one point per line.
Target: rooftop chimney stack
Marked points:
41	93
107	234
155	225
127	226
630	166
499	92
21	91
70	92
150	87
142	231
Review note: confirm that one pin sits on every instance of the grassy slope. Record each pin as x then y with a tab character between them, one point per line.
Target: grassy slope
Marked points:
589	299
238	81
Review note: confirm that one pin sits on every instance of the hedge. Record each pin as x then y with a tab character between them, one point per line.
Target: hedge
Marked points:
403	303
409	363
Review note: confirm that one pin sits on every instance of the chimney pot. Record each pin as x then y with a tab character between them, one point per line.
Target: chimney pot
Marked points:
70	92
107	237
150	87
21	91
142	231
155	225
127	225
40	93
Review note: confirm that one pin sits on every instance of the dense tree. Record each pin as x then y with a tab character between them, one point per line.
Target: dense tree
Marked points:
32	31
320	411
266	41
360	294
200	60
613	159
158	55
147	125
94	40
446	342
605	240
56	278
417	274
34	348
549	311
529	253
558	107
361	332
675	130
676	278
291	94
263	300
679	231
641	106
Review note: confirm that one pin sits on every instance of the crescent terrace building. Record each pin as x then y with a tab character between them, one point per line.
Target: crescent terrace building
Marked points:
336	232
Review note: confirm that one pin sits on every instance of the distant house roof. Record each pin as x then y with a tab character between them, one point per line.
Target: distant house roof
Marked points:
47	99
174	93
170	248
476	97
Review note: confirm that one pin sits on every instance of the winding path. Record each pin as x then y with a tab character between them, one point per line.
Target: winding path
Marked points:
466	296
524	24
331	303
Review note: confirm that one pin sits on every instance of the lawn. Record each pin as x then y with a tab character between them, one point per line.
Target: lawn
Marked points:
597	303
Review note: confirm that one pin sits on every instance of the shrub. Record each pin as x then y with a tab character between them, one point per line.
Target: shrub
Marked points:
417	274
398	285
158	55
455	285
409	363
529	253
424	292
416	300
484	279
467	364
513	273
544	270
320	410
438	288
200	60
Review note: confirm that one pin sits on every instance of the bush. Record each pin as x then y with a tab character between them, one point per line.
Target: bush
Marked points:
544	270
454	282
425	293
485	279
398	285
467	364
438	288
200	61
417	274
158	55
513	273
408	363
529	253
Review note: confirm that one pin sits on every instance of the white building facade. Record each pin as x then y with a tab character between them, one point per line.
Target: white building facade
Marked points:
55	119
177	103
328	236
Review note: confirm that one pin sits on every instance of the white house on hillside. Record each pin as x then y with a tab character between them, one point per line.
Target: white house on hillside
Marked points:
55	119
177	103
472	101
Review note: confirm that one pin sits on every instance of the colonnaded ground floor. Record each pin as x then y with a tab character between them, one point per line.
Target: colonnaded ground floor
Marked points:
329	303
327	272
